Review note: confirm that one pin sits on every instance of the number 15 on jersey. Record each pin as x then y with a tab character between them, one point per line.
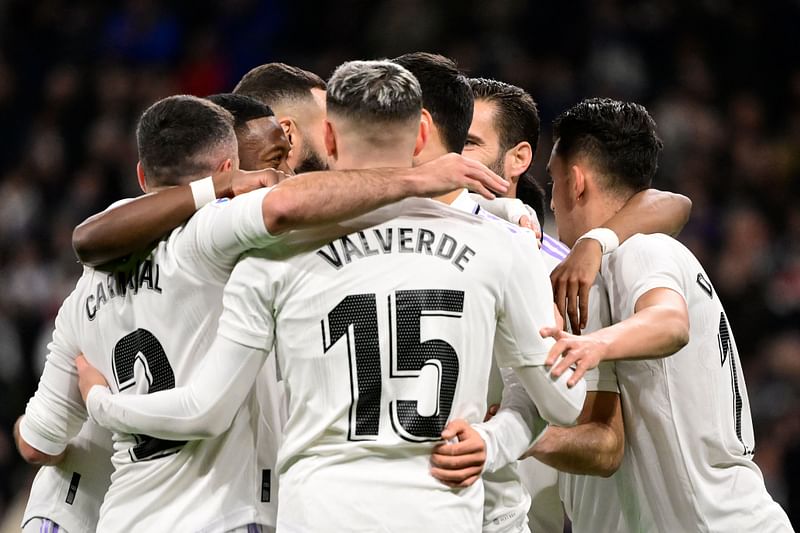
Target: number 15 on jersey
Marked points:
355	319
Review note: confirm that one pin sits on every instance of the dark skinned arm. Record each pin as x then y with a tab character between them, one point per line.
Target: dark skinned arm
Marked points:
311	199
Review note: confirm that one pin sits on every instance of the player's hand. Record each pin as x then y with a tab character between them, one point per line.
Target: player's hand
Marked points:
234	182
459	463
88	376
532	224
580	353
453	171
572	280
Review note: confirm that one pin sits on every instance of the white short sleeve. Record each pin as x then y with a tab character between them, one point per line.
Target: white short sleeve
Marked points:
527	306
247	317
214	238
646	262
56	413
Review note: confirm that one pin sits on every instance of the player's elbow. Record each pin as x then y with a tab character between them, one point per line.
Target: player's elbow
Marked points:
85	245
677	326
33	456
611	459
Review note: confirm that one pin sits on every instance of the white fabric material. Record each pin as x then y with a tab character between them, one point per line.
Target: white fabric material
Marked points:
203	192
89	456
167	303
520	488
509	209
688	465
325	448
606	237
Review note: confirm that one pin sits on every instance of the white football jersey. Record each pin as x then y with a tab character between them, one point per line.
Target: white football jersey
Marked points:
146	326
71	492
688	463
528	488
382	336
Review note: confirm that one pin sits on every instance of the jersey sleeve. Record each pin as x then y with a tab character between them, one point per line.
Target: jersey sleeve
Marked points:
56	413
514	428
214	238
203	408
603	378
248	315
646	262
526	306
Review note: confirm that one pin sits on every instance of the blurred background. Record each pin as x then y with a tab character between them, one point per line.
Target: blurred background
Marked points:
721	78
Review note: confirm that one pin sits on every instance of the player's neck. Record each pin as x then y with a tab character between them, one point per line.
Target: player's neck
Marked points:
431	151
598	212
373	160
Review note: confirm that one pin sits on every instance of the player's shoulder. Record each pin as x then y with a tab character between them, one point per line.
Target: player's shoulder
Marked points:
649	244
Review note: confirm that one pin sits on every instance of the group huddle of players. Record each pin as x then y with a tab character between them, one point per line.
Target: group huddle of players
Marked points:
310	325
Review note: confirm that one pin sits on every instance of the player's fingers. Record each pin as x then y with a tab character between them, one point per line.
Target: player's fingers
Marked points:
525	222
487	177
572	306
449	462
566	361
81	363
455	477
554	353
583	296
577	374
478	187
550	331
560	292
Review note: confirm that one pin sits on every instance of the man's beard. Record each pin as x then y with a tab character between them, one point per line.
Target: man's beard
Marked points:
310	162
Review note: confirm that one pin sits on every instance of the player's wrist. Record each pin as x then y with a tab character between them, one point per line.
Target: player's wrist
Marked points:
223	184
204	191
605	237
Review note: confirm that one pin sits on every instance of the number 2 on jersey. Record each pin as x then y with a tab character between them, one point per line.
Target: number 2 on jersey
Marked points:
408	361
143	346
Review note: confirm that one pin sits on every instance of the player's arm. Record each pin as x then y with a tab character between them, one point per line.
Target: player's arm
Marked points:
490	445
659	327
132	226
55	414
649	211
319	198
207	404
592	447
201	409
312	199
525	306
29	453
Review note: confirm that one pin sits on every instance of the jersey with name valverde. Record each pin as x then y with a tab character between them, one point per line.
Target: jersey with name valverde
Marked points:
382	336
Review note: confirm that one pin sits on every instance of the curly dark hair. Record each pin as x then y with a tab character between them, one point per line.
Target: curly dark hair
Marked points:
619	137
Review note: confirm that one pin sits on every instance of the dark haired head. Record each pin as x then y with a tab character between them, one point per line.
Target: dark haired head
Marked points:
618	137
517	118
243	108
445	94
182	138
374	92
275	83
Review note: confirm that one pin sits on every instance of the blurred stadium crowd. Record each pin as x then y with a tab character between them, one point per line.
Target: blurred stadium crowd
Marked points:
722	79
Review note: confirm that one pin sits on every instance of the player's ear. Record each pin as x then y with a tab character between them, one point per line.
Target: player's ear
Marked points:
140	176
422	136
518	159
226	165
578	181
330	141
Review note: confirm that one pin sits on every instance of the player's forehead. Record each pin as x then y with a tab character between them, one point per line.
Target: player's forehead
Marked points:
265	133
484	120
